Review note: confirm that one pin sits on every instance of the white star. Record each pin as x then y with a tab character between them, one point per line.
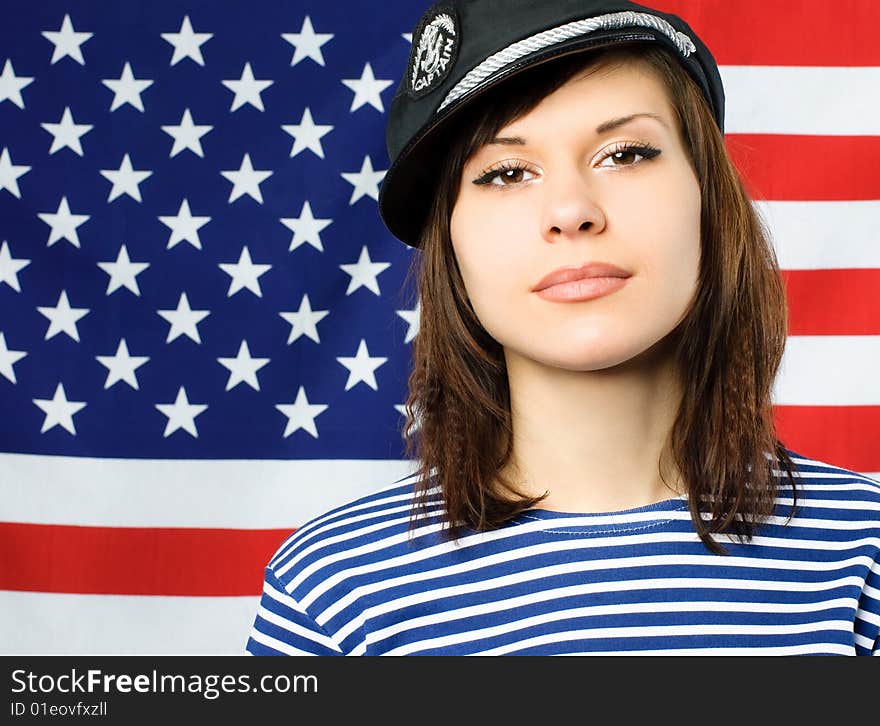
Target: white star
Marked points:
407	37
187	44
67	133
362	367
67	42
11	85
401	409
63	318
125	180
127	89
364	272
365	182
123	272
307	43
244	273
247	89
181	414
59	411
246	180
184	320
307	135
9	173
121	366
10	266
184	226
8	358
63	223
186	135
301	414
243	368
411	317
304	321
305	228
367	89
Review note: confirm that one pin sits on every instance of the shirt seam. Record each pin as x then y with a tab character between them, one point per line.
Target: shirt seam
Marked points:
587	533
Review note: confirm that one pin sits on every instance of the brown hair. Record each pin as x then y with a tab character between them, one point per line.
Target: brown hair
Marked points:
728	346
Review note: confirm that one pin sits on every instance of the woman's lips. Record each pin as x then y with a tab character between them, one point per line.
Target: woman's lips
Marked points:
585	289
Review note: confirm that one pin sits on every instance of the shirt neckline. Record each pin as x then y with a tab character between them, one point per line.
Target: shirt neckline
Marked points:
583	523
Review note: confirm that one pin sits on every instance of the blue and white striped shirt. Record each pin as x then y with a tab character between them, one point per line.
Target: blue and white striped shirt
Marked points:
640	581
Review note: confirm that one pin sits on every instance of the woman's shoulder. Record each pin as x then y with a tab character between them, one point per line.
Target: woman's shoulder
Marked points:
365	528
841	493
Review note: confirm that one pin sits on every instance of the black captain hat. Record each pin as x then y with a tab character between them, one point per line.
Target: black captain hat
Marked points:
461	48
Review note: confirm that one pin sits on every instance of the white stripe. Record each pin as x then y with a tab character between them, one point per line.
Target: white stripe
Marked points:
813	100
819	235
829	370
276	644
648	631
60	624
582	612
806	649
228	494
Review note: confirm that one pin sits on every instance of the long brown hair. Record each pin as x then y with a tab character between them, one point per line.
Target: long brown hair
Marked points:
728	346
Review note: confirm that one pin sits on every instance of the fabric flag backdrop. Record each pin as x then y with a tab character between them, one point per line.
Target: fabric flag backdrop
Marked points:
203	337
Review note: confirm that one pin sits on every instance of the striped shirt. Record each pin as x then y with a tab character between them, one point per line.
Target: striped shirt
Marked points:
355	582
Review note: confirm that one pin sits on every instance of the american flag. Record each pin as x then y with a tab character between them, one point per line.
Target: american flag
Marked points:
204	340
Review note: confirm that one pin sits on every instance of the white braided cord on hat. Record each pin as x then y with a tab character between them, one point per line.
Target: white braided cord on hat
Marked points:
495	62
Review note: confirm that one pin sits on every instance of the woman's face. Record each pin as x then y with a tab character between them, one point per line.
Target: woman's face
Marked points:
577	201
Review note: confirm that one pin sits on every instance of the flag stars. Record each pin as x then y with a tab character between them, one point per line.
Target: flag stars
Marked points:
367	89
362	367
12	85
246	180
63	318
307	43
10	267
123	272
10	173
184	227
187	44
187	135
59	411
412	317
127	89
301	414
243	368
184	320
247	89
121	366
125	180
364	272
181	414
245	274
67	133
63	223
8	358
365	182
304	321
67	42
306	228
307	135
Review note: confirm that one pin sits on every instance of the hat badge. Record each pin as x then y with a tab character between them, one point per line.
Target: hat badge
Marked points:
434	53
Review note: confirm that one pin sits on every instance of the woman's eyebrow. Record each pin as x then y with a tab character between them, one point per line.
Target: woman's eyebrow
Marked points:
603	128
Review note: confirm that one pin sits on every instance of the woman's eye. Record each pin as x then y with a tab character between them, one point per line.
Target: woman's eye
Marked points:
621	153
504	177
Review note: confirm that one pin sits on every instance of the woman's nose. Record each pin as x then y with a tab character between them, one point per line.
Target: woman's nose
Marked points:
569	207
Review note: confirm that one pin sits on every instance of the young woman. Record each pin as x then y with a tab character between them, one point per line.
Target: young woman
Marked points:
602	319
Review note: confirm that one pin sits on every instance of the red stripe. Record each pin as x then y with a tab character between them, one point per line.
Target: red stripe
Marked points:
833	302
788	167
839	435
783	32
135	560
